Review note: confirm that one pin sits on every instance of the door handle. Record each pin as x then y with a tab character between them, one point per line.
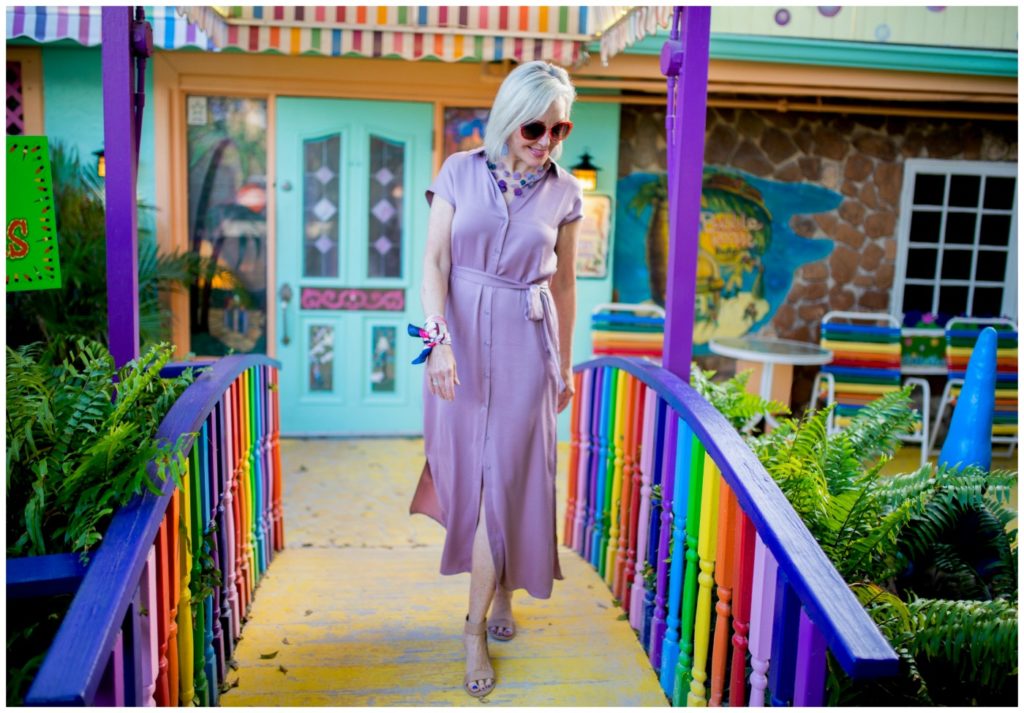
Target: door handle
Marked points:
285	294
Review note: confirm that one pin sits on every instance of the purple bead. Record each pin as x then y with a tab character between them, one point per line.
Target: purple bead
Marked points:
516	175
518	191
503	186
506	174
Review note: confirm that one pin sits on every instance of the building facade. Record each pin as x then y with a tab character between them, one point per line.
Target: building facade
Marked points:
856	158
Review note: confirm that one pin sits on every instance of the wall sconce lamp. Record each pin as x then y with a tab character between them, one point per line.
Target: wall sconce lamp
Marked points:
586	172
101	163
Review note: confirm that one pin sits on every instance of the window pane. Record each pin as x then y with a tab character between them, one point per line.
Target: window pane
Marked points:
963	191
995	230
227	220
953	300
999	192
382	374
321	358
956	265
387	186
321	203
929	189
921	263
988	302
917	298
15	106
960	227
925	226
991	266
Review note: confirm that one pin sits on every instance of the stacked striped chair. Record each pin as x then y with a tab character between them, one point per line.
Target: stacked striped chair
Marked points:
865	366
961	335
628	329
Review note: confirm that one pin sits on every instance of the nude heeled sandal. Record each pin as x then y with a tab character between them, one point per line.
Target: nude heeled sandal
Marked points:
480	674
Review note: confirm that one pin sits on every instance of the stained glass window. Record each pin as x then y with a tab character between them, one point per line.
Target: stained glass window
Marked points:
387	184
321	206
227	222
321	357
382	375
15	108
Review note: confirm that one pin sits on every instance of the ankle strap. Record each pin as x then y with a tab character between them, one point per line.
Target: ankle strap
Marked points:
475	629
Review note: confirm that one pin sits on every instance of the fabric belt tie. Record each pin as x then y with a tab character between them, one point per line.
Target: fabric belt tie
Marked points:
538	307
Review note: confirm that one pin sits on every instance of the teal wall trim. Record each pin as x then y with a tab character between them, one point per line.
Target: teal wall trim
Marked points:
73	114
864	55
595	128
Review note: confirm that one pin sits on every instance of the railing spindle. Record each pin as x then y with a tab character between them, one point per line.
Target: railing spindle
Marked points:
668	468
743	590
810	665
784	642
582	473
150	633
707	546
680	492
699	461
628	452
647	446
574	458
762	614
186	652
725	573
654	530
617	418
629	575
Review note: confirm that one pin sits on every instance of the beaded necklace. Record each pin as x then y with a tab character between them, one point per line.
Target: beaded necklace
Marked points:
519	182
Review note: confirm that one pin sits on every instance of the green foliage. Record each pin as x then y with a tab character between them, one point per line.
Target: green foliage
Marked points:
79	307
731	398
80	435
929	554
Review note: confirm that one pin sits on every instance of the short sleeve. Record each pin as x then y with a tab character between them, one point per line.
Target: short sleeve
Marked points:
444	183
576	207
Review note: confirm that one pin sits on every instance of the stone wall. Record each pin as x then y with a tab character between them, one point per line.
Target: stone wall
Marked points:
858	156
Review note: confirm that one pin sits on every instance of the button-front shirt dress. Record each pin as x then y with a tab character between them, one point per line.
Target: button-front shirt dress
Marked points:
496	442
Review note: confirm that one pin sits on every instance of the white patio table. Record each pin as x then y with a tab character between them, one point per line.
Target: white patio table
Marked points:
763	353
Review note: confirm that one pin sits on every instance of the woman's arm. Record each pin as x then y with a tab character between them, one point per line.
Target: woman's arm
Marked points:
563	290
437	264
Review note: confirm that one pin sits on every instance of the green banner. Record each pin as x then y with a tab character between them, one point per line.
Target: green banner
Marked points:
32	260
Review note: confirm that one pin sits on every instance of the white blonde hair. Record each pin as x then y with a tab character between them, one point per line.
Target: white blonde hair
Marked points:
526	94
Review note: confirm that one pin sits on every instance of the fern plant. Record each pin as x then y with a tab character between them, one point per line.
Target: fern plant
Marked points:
80	435
731	398
930	554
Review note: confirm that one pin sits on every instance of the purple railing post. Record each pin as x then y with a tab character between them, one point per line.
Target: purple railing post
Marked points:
684	60
119	151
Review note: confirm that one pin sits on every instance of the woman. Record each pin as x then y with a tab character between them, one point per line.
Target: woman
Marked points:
499	292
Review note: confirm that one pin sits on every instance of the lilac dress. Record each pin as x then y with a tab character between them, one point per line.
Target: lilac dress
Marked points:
497	439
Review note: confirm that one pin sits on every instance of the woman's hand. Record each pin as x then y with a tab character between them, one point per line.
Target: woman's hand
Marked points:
441	374
567	393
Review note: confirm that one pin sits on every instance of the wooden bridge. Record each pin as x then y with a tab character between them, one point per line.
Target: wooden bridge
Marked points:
354	611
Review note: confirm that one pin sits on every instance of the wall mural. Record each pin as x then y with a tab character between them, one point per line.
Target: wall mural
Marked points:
747	251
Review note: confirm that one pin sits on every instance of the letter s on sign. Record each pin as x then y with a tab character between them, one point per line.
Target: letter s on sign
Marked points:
17	234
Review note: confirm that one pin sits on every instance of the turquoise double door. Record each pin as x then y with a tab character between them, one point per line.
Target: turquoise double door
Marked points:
351	230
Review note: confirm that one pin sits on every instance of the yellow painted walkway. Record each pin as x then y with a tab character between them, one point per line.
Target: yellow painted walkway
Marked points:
354	612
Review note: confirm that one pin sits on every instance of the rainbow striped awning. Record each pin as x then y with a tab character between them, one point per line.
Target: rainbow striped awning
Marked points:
557	34
560	34
82	24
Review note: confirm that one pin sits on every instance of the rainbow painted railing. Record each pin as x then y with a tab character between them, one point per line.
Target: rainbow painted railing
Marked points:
721	530
133	634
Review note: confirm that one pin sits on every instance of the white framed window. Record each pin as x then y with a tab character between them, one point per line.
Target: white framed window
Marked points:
957	239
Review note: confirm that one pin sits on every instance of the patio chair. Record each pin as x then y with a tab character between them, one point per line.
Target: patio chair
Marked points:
628	329
865	366
961	335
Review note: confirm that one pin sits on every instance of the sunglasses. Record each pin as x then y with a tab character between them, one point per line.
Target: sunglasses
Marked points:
536	129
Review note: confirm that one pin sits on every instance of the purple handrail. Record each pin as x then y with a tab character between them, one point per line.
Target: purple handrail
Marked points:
74	666
846	628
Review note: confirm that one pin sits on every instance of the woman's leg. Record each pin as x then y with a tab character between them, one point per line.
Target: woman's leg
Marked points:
481	589
501	610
